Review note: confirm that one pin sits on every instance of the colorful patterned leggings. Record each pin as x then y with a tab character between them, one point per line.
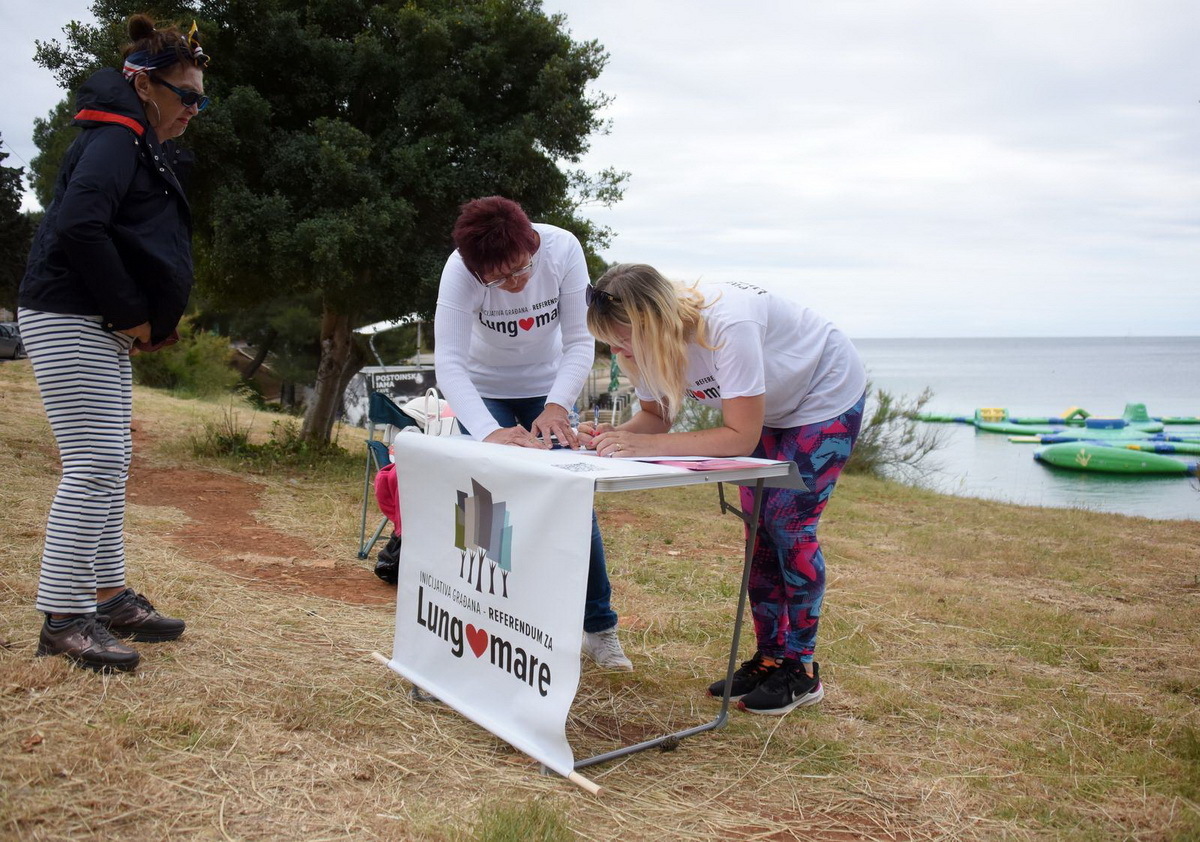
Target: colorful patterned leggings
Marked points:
787	574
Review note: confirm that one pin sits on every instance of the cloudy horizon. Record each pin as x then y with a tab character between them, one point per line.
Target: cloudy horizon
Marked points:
930	168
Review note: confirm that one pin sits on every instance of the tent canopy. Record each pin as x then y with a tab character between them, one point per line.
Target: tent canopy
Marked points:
390	324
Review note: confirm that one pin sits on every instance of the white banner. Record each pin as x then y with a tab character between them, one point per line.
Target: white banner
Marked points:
493	572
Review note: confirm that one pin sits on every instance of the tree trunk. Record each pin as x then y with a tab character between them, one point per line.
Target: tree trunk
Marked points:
340	359
261	356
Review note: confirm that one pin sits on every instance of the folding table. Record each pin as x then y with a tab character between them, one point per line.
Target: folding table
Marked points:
760	473
455	461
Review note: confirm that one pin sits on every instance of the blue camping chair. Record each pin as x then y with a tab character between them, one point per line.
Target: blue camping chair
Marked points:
383	415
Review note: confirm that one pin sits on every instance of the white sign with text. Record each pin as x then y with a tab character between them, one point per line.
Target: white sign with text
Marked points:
492	577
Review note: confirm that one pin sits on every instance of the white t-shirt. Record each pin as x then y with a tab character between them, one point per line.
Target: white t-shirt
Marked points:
768	345
496	344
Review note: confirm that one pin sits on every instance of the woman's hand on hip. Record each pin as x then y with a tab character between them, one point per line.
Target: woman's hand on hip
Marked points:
553	422
141	333
517	436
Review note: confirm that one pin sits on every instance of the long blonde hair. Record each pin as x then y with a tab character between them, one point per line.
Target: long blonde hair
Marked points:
663	318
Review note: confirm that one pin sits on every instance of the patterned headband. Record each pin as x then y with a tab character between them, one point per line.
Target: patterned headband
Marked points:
143	61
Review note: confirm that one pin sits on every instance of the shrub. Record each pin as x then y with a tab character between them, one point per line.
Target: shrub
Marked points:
697	416
196	366
229	438
226	437
893	442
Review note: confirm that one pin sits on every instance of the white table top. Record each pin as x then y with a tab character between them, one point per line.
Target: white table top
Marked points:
622	474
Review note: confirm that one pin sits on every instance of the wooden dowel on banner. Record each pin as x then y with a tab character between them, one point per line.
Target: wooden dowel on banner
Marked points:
583	783
574	777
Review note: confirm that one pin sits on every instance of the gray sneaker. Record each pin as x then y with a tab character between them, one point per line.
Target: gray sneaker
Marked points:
419	695
605	649
88	644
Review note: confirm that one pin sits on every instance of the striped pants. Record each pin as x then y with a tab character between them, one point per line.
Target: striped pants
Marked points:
86	382
787	572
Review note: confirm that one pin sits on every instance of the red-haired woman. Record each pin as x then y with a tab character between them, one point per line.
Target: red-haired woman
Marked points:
110	270
512	351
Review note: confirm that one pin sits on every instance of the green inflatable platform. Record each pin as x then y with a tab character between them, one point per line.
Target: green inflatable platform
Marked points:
1111	460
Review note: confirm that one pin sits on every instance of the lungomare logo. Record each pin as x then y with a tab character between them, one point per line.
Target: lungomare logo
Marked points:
482	533
483	536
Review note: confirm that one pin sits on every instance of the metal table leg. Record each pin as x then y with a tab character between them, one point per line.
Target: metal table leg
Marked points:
751	521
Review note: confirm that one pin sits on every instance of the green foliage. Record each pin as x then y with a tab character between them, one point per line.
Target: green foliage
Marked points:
87	47
287	327
230	438
531	821
1184	746
16	230
893	443
53	136
397	346
227	436
697	416
196	366
346	179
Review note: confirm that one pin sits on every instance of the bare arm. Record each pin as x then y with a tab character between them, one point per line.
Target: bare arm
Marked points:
646	433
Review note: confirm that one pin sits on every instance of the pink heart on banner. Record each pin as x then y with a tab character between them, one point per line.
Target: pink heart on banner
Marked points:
525	324
477	638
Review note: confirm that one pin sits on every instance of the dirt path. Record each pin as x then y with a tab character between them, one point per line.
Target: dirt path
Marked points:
220	529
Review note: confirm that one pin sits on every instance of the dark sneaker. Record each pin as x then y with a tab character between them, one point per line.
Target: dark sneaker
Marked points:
88	644
748	676
786	688
387	563
134	617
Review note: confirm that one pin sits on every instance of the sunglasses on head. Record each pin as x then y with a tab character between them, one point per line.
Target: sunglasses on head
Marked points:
188	98
598	297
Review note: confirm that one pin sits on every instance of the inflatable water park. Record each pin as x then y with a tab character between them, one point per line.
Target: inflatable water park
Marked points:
1135	443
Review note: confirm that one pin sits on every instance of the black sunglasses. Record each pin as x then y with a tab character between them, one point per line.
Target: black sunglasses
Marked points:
188	98
599	297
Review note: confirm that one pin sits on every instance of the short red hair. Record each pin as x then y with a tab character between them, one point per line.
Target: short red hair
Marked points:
491	232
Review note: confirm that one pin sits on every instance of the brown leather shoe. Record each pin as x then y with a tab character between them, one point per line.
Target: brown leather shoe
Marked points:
88	644
135	617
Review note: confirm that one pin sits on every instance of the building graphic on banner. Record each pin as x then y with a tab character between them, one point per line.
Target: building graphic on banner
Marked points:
483	536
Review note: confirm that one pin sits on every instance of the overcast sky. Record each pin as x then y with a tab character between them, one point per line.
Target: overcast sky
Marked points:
907	168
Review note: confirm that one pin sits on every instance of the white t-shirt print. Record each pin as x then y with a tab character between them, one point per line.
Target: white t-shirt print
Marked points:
497	344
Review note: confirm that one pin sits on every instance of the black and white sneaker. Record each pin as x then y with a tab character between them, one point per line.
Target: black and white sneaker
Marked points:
748	676
785	688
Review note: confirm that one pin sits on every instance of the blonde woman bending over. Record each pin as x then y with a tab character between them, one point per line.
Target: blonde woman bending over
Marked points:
790	386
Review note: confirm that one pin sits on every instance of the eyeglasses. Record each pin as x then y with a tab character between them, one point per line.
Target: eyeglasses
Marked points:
602	299
188	98
513	275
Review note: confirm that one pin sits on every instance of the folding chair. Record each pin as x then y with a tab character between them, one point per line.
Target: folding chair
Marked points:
383	413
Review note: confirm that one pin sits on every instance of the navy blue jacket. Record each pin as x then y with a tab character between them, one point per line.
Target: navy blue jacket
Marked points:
116	239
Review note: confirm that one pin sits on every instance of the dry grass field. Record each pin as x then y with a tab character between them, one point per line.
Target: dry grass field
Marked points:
993	672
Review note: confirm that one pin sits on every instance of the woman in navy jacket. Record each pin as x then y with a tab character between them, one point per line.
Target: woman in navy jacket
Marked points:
109	272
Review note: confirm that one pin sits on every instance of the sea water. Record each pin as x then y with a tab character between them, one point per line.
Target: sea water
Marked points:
1044	377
